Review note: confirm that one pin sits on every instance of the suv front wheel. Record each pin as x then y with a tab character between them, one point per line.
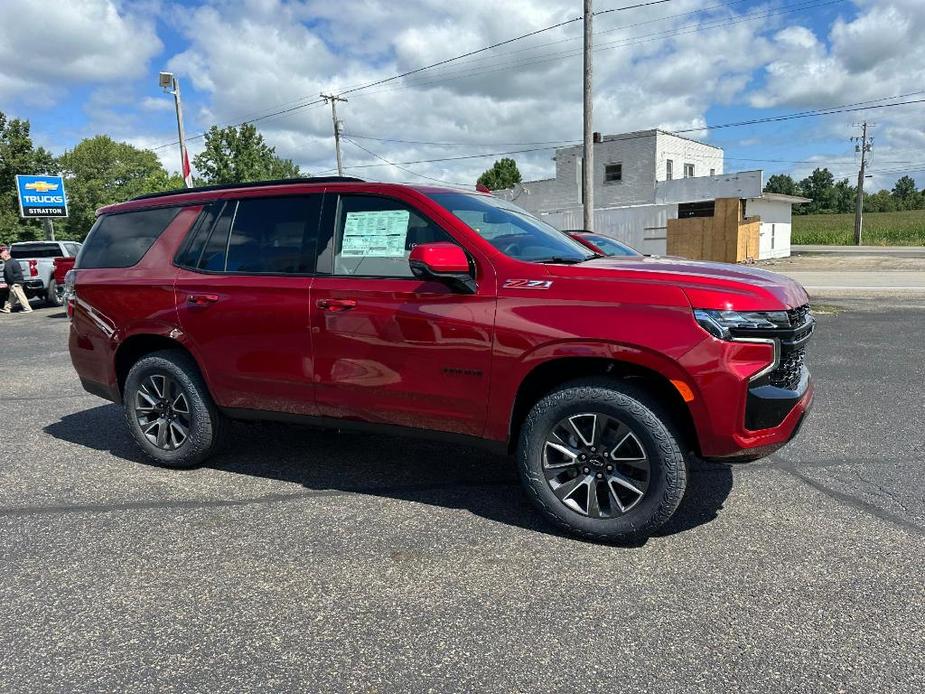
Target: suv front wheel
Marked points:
169	410
598	460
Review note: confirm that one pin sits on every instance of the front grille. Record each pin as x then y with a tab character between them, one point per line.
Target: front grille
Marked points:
787	374
798	315
792	340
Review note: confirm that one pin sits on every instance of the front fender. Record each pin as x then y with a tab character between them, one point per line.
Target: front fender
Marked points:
506	387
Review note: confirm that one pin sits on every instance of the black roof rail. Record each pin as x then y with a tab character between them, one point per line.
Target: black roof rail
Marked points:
252	184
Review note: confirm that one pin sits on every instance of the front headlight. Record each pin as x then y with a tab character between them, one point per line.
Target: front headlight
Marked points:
721	323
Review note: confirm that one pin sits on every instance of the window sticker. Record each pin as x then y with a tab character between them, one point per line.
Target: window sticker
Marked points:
377	234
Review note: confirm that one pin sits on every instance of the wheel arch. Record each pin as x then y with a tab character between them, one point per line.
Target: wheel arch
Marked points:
552	373
134	347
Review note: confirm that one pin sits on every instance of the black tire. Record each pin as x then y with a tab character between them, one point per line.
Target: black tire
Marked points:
657	492
52	296
204	425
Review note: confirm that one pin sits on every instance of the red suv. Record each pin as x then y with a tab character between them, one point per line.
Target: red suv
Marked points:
433	311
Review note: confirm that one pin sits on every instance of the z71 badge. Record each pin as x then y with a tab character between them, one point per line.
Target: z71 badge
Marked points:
527	284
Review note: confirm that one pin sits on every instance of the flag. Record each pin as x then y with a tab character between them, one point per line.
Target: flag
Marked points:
187	172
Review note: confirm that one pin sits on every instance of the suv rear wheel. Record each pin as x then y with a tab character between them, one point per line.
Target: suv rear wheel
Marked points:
169	410
600	460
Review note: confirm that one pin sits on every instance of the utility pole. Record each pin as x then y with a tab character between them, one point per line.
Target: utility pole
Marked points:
863	146
170	84
587	162
49	228
333	99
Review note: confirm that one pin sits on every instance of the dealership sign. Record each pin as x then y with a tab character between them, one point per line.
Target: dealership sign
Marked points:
41	196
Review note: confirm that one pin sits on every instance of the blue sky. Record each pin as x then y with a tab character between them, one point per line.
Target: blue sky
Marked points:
91	67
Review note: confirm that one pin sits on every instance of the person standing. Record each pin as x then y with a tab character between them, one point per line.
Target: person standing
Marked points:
12	275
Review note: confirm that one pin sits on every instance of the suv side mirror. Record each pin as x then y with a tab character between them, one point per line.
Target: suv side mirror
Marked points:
443	262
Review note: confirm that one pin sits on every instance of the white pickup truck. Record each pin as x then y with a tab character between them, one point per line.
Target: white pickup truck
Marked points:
37	259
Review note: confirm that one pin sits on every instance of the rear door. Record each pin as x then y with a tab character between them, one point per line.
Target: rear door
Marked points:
242	296
388	347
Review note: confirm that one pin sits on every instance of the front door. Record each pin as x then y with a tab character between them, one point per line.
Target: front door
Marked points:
390	348
242	297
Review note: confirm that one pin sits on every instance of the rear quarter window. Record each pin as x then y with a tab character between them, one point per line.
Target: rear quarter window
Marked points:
121	240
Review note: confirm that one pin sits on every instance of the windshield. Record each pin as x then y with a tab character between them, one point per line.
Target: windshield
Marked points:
609	246
513	231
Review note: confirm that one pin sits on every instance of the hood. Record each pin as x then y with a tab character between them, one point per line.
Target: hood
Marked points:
707	284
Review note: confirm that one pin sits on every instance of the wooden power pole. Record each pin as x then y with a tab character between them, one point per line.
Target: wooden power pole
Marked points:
863	146
587	163
333	99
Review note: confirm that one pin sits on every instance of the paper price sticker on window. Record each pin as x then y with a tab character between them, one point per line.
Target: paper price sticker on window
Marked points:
377	234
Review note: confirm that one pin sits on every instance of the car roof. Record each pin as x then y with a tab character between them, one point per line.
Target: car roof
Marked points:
204	194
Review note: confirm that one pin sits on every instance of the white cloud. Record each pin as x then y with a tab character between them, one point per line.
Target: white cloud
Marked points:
257	55
876	54
45	50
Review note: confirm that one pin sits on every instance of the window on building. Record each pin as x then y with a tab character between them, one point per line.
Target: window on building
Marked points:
712	172
686	210
688	170
613	173
669	169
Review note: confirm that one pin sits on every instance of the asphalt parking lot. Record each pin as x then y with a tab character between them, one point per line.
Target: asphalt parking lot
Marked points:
316	561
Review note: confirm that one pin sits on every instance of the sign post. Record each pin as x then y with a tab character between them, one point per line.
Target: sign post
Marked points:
42	197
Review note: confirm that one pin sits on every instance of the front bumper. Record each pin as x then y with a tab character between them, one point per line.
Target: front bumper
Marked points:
755	444
739	416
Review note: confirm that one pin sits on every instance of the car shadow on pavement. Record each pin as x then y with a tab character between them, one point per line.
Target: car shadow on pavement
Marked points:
426	472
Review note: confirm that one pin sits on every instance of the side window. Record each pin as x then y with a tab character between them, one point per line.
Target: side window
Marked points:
191	251
72	248
373	236
257	236
121	240
274	235
212	256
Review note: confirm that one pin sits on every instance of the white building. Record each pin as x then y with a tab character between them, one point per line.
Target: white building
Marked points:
644	178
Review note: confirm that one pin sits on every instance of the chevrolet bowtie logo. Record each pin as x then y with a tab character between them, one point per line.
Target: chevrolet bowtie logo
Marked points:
41	186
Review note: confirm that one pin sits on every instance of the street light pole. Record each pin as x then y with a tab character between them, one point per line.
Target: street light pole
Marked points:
171	85
587	163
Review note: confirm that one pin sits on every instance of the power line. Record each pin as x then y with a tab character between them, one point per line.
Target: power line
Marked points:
848	108
446	61
690	29
245	122
622	43
622	27
398	166
498	44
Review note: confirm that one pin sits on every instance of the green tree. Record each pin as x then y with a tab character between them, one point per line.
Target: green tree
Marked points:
503	174
783	184
18	156
100	171
881	201
819	186
905	194
238	155
844	196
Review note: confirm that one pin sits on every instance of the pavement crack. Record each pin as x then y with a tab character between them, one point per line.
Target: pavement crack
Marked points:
396	492
882	491
854	502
